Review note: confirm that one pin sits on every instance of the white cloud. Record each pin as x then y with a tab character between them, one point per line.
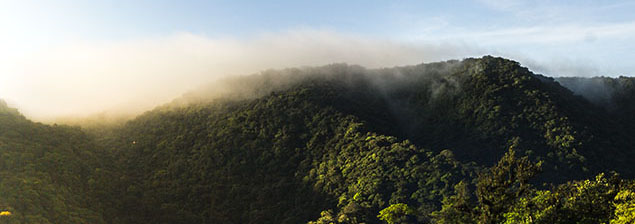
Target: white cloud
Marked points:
541	34
89	77
556	11
86	77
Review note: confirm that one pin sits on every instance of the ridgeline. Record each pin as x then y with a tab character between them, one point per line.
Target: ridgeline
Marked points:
474	141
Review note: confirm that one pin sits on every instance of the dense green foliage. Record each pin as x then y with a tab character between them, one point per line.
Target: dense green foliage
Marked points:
505	196
278	147
339	144
45	171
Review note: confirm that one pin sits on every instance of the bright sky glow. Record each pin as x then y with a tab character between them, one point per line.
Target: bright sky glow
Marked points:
60	58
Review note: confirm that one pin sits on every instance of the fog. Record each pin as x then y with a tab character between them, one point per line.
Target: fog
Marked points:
122	78
132	76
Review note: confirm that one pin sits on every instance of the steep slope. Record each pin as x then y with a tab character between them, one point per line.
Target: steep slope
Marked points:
336	144
280	158
45	171
614	95
353	140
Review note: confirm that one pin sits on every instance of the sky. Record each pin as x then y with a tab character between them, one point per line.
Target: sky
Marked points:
74	58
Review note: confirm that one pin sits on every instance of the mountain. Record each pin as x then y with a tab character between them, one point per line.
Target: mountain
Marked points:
45	171
474	141
616	95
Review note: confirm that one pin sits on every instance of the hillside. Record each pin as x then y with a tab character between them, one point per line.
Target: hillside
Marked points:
615	95
474	141
45	171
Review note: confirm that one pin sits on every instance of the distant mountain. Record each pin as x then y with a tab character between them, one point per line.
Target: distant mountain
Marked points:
345	144
615	95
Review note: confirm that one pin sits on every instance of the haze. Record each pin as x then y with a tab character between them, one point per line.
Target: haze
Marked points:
74	59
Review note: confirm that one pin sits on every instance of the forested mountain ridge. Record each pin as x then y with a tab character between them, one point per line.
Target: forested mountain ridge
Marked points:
45	171
615	95
344	144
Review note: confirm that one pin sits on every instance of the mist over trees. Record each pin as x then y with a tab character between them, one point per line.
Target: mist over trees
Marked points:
482	140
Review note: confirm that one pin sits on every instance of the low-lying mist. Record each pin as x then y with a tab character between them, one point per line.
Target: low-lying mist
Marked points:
117	80
602	91
125	78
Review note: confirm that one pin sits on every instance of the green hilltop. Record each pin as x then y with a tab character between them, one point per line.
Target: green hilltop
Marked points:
482	140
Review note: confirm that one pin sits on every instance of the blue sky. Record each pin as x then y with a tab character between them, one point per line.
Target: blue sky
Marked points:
69	52
597	32
391	19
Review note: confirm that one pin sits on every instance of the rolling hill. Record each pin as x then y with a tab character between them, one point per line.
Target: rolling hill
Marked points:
482	140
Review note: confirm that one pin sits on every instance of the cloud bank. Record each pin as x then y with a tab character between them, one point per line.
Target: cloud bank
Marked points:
135	75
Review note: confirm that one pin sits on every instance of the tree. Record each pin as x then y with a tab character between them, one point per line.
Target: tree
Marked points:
397	213
624	207
499	187
326	217
457	208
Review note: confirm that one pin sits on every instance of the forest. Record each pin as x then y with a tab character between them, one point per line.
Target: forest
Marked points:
480	140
